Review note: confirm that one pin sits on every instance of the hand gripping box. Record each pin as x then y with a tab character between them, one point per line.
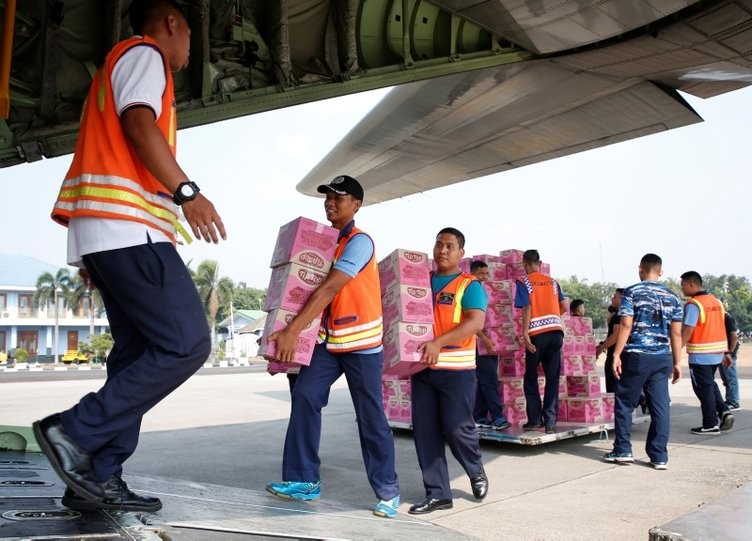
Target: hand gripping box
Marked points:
305	242
408	304
401	341
404	267
276	320
290	286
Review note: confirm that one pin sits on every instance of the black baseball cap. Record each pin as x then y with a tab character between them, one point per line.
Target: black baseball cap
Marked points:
342	185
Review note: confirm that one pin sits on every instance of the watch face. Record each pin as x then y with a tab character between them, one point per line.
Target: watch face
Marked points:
186	190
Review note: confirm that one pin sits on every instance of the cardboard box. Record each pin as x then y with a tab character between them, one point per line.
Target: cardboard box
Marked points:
608	401
290	286
277	320
584	410
404	267
401	341
511	388
408	304
276	367
587	386
512	366
509	257
306	242
515	411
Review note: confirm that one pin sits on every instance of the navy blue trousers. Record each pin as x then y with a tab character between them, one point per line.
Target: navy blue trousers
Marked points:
161	338
310	395
548	353
443	412
649	373
707	391
487	398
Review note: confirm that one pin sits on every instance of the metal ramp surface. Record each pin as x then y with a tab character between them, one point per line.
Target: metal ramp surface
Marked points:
30	510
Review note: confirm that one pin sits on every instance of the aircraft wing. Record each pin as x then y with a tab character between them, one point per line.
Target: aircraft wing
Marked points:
446	130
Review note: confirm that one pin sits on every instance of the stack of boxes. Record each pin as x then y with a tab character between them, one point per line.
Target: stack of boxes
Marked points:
407	306
301	261
580	397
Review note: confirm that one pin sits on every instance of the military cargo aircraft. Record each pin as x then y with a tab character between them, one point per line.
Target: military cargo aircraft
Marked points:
480	86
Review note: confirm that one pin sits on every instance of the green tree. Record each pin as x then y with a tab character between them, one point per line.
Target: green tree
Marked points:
101	345
53	290
248	298
215	292
597	297
81	294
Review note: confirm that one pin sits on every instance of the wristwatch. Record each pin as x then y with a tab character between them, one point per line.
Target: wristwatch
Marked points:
186	191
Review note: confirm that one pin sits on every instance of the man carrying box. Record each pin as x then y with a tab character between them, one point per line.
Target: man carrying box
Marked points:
444	394
350	343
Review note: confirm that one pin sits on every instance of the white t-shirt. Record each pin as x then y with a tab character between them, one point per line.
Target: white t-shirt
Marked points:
137	79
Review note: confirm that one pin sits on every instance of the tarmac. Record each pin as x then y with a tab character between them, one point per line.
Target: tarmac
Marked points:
209	449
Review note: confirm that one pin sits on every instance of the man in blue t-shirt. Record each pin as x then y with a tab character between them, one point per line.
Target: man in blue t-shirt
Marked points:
646	355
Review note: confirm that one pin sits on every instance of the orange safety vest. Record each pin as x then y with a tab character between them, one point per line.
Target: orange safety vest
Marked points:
106	179
353	321
447	314
545	312
709	335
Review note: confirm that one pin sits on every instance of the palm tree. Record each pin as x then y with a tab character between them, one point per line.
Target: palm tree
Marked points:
78	291
212	289
53	288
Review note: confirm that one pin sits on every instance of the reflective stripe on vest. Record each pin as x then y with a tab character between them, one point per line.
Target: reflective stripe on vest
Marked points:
101	195
454	356
709	335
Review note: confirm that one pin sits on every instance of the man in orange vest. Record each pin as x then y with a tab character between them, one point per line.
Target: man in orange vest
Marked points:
542	302
704	336
349	343
120	202
443	396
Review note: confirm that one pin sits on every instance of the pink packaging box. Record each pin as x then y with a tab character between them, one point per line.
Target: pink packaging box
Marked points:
571	365
497	271
584	410
290	286
608	401
486	258
588	364
307	243
588	385
568	347
408	304
515	411
401	341
404	267
397	404
511	389
511	256
514	270
590	345
276	367
513	367
577	326
545	268
464	264
278	319
563	391
504	341
561	414
500	291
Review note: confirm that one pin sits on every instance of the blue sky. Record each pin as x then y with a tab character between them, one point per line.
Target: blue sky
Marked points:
683	194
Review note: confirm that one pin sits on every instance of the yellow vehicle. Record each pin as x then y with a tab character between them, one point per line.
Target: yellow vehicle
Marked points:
74	356
3	357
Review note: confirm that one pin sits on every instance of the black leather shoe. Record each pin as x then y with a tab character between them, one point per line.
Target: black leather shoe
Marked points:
430	505
479	484
69	460
532	426
550	429
117	497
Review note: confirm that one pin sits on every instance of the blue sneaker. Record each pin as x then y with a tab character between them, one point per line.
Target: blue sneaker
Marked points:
387	508
500	424
483	422
613	456
295	490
